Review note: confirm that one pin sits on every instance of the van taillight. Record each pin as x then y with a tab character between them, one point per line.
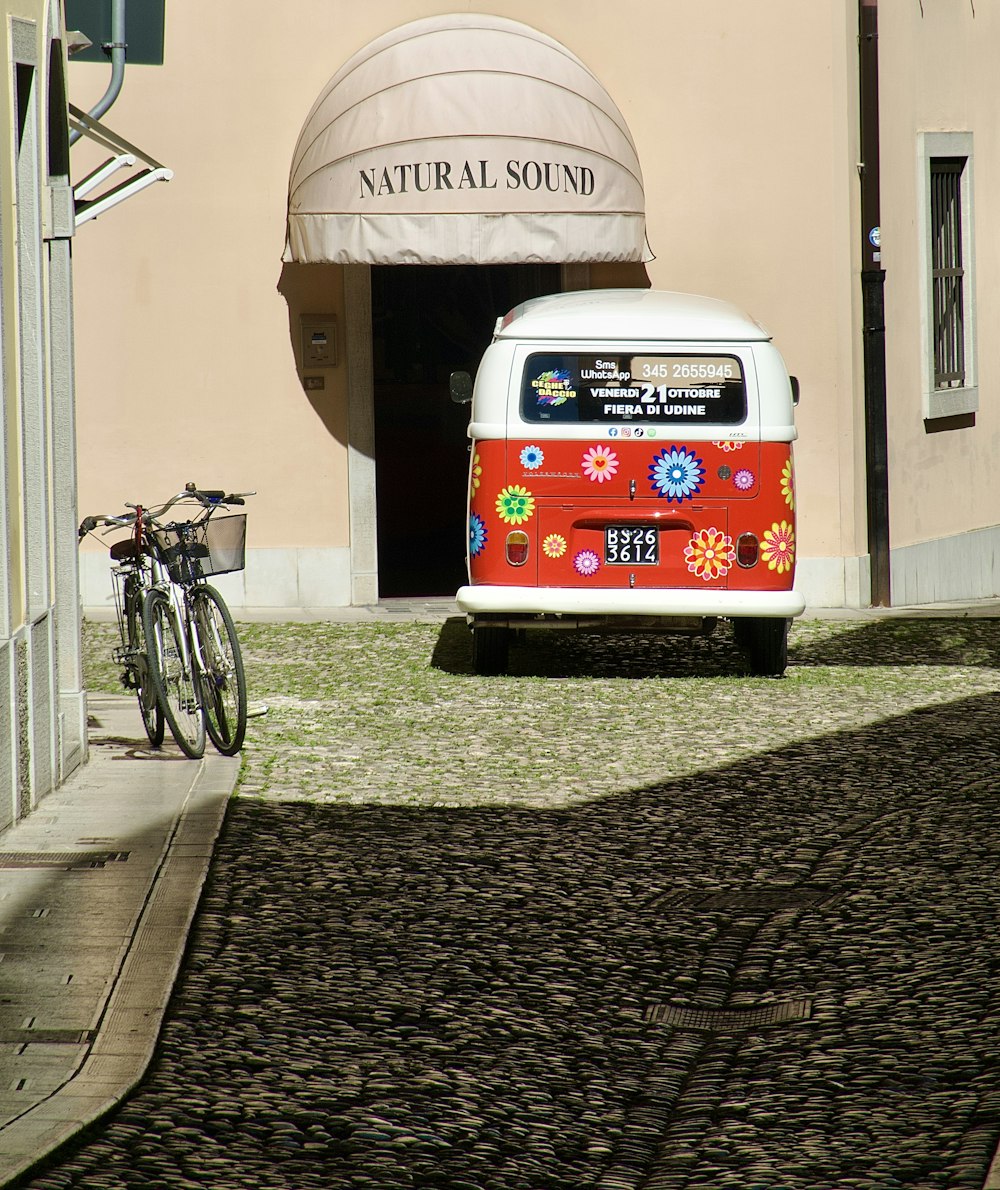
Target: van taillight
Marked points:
517	547
747	550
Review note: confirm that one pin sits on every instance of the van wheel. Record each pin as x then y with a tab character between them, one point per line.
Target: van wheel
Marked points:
767	646
742	632
490	650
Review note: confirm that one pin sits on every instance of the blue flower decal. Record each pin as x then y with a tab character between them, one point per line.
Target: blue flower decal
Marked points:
677	473
477	534
532	458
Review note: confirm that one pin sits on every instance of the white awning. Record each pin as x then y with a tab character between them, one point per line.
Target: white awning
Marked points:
465	139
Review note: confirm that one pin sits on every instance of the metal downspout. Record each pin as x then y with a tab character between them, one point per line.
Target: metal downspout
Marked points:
116	49
873	311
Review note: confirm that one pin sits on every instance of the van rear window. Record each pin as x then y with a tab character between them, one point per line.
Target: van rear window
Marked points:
660	389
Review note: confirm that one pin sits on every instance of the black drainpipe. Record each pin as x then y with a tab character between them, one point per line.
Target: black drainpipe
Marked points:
873	311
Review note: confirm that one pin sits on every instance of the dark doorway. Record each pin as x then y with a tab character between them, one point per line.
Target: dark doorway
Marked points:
427	322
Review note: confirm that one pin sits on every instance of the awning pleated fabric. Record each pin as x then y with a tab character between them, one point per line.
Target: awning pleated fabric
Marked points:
465	139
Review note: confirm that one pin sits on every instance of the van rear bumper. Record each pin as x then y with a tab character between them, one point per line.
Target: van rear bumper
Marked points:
572	601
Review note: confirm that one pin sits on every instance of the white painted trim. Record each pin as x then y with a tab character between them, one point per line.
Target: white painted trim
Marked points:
584	601
280	578
321	578
963	567
361	434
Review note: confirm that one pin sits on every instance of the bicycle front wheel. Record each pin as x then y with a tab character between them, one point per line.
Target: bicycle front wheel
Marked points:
149	704
223	683
171	674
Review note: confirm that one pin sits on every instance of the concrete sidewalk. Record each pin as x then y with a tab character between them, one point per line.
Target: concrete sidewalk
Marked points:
98	887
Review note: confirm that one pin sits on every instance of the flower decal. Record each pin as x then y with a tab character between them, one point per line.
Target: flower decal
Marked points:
677	473
600	463
515	504
778	547
744	479
788	484
710	553
587	563
554	546
728	446
477	472
532	458
477	534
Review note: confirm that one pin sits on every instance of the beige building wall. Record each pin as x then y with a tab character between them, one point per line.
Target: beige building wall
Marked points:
744	117
940	60
749	159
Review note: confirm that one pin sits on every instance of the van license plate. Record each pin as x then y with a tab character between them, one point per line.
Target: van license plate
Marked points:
631	545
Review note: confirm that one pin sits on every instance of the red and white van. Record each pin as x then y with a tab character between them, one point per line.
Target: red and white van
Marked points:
631	468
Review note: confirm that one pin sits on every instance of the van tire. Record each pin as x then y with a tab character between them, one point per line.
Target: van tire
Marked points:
766	645
490	650
742	632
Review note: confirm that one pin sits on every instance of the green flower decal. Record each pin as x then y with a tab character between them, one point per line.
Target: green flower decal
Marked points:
515	504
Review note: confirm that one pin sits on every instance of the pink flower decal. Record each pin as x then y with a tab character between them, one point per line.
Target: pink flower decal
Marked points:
728	446
587	563
744	479
778	547
600	463
710	554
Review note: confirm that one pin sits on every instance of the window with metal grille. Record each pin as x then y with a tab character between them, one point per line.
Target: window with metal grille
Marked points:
947	271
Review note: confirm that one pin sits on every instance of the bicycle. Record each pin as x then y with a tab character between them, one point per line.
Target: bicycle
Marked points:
193	657
132	579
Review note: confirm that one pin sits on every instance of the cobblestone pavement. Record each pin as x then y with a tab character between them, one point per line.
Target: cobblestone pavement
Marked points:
592	927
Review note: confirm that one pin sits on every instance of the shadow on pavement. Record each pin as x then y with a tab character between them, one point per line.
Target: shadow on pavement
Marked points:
899	642
484	999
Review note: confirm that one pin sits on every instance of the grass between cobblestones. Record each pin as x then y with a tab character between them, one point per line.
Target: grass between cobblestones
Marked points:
391	713
379	993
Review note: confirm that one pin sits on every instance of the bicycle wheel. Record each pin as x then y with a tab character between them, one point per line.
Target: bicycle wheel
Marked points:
171	674
223	682
149	705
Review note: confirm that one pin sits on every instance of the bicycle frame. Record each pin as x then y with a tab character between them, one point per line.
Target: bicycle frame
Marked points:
180	595
174	577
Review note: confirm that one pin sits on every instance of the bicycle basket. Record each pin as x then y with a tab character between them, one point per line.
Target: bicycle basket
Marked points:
200	549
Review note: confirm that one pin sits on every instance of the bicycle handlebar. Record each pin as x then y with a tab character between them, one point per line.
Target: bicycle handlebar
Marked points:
208	499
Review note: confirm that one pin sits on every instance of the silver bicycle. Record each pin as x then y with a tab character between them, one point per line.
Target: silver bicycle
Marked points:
180	650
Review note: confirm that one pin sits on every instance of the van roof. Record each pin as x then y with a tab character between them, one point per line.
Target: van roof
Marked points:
630	314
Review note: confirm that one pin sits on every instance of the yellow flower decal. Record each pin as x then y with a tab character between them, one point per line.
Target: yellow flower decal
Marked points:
554	546
778	549
477	472
515	504
710	554
788	484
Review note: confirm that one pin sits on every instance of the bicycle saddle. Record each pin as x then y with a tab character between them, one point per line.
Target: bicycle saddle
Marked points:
124	550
